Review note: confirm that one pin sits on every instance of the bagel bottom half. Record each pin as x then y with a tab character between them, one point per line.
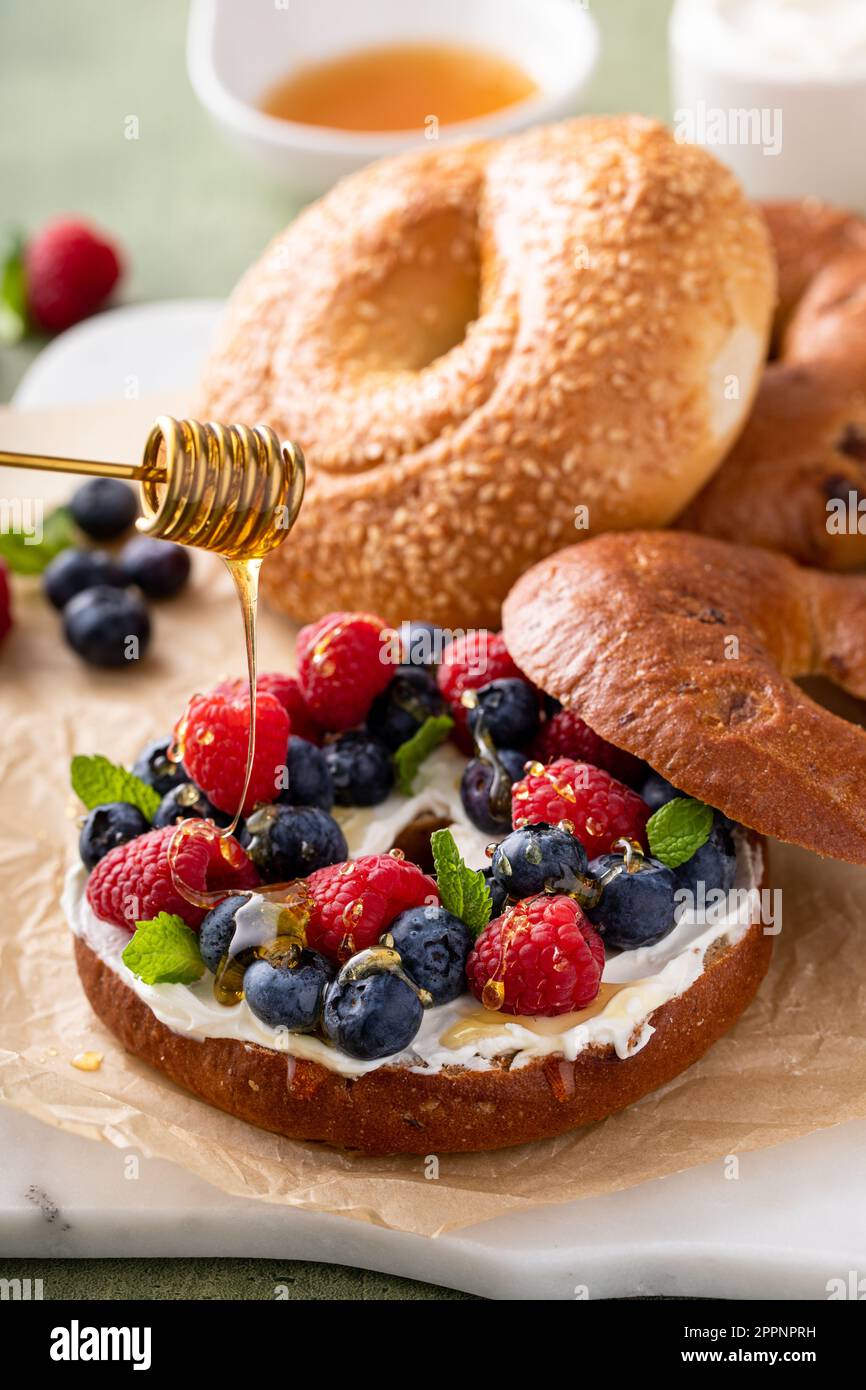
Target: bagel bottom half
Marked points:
396	1110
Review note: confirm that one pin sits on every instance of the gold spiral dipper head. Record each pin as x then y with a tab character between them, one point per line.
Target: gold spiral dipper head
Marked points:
232	489
229	488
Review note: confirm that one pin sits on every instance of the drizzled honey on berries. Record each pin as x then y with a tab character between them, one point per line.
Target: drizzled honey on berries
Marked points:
237	492
271	925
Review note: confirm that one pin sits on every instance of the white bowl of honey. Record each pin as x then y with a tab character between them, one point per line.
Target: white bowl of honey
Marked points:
316	88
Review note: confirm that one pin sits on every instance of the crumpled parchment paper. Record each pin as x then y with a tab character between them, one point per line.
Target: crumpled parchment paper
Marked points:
795	1062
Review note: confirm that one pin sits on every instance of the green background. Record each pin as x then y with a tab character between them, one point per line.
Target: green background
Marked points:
190	214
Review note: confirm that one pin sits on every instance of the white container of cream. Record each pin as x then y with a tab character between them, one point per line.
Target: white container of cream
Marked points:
777	90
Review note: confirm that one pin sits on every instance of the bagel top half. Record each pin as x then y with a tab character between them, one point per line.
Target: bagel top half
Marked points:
470	343
685	651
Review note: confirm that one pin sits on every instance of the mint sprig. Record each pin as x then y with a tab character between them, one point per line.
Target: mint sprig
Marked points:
164	951
411	754
462	891
23	555
677	830
96	780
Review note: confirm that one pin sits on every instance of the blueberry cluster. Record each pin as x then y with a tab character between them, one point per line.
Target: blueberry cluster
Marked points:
286	840
630	897
640	898
361	761
373	1006
117	822
102	597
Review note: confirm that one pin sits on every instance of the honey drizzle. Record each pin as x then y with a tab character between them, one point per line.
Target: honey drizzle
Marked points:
482	1023
245	576
236	491
278	931
487	752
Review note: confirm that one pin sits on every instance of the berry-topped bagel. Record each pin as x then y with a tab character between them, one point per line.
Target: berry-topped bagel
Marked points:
481	348
403	946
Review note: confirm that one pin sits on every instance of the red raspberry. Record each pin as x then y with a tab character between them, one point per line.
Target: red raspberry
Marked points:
134	881
212	738
70	270
356	901
287	691
566	735
598	807
342	667
5	601
541	957
470	661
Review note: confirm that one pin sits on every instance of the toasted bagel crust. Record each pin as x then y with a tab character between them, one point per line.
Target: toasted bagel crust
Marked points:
804	445
469	342
395	1110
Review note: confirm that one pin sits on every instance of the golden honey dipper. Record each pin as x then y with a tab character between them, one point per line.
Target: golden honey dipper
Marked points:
229	488
232	489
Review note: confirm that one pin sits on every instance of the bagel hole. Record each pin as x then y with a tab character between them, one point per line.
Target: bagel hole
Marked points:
424	301
833	698
414	839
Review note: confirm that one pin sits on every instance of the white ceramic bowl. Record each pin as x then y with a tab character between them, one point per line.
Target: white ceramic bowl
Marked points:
236	51
786	130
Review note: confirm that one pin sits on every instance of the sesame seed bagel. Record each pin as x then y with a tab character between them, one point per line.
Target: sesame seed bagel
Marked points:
683	650
470	343
804	445
398	1110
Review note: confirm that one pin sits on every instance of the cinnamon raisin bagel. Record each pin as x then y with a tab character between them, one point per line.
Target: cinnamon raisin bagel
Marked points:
684	650
796	477
472	343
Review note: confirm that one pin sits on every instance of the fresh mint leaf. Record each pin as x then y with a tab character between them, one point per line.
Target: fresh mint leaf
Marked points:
96	780
462	891
23	555
411	754
678	829
164	951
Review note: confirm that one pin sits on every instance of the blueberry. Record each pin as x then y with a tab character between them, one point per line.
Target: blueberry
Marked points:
372	1016
485	789
310	782
159	568
433	946
636	909
508	710
104	508
154	767
498	893
538	858
421	643
74	570
289	842
401	709
218	928
107	627
714	864
115	823
186	802
657	791
361	769
288	992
